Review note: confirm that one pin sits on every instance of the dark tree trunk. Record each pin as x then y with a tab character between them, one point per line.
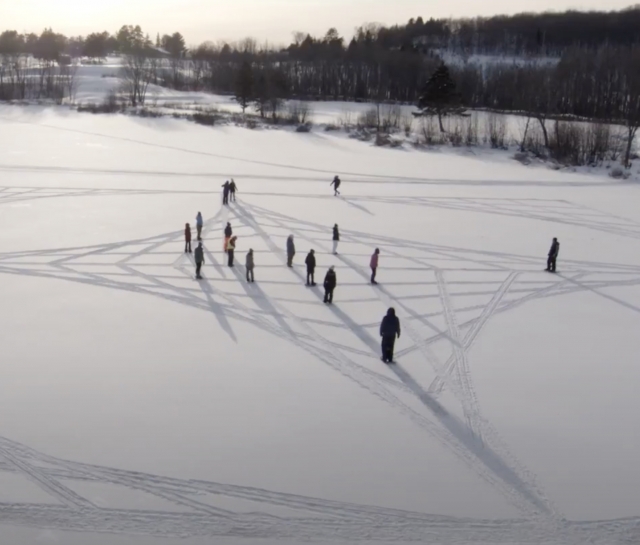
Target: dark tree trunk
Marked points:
631	132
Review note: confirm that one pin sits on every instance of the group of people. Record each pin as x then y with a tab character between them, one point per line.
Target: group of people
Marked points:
229	189
199	253
229	247
390	325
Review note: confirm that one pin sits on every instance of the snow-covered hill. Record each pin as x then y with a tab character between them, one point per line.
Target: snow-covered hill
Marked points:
141	406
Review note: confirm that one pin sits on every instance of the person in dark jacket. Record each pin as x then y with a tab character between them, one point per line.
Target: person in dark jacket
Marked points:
250	265
336	239
228	231
199	224
389	330
553	255
373	264
291	250
187	239
231	248
225	192
232	190
336	184
310	262
330	283
199	257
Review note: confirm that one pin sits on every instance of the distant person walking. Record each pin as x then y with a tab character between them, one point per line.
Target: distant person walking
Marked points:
228	231
374	265
389	330
232	190
250	265
225	192
199	257
187	239
336	239
231	249
199	224
330	283
553	255
336	185
291	250
310	262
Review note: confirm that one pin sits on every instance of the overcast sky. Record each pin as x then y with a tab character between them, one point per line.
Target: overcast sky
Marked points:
266	20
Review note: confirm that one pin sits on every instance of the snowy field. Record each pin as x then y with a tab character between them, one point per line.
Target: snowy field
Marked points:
140	406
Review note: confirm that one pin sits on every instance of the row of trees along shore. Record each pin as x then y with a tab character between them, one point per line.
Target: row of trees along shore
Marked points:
571	65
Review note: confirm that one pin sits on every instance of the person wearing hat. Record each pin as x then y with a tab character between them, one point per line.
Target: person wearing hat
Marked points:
199	224
187	239
231	248
330	283
374	265
310	262
250	265
389	330
291	250
228	231
553	256
199	258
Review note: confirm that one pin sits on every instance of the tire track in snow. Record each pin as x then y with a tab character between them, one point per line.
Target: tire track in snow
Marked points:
478	325
461	365
511	484
63	494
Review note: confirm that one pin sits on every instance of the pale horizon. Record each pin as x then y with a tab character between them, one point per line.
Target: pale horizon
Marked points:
272	21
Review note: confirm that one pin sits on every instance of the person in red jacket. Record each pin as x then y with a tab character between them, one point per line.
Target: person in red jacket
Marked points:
374	265
187	239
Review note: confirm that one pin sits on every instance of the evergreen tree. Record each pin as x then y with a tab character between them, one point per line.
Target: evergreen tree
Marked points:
439	96
96	45
244	85
174	44
261	93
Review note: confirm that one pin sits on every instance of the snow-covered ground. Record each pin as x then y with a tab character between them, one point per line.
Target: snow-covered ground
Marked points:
141	406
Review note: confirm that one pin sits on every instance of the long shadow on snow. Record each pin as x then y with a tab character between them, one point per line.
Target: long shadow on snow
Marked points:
257	295
485	454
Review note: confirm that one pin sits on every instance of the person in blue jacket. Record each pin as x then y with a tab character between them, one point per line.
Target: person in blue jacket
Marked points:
199	224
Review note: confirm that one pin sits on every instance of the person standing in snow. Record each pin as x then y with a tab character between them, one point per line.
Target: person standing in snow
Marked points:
291	250
330	283
553	255
231	248
336	184
232	190
199	224
225	192
187	239
389	330
336	239
250	265
227	235
199	257
310	262
374	265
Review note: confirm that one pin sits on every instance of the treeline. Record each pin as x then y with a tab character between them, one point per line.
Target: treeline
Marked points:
52	46
549	33
35	67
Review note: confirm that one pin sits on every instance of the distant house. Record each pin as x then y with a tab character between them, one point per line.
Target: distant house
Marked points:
158	52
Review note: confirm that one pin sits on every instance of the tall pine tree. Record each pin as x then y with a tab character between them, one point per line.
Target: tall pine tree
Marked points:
244	85
439	96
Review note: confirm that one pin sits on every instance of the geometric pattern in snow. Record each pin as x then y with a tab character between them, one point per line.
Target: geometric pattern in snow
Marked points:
211	509
464	289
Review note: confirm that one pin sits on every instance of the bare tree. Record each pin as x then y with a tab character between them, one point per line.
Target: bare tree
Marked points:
631	103
69	77
138	71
